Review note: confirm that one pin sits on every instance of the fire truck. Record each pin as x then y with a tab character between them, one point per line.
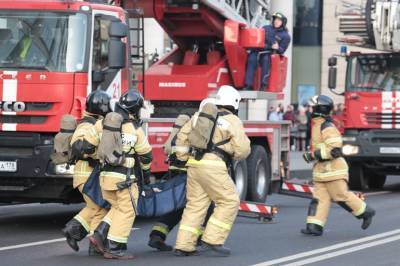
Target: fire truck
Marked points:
372	98
53	53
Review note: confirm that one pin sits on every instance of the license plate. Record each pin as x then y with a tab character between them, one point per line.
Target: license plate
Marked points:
389	150
8	166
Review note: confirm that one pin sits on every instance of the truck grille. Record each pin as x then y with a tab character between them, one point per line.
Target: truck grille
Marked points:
382	119
15	119
38	106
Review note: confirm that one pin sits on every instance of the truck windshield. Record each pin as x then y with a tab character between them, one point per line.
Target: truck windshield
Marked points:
378	72
45	41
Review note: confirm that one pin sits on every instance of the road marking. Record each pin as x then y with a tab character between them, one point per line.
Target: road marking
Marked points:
345	251
39	243
32	244
328	248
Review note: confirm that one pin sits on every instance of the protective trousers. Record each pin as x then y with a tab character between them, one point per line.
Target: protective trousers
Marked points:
167	222
206	184
91	215
325	193
121	213
253	60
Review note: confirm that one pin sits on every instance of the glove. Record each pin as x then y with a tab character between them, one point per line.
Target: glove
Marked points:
146	177
308	157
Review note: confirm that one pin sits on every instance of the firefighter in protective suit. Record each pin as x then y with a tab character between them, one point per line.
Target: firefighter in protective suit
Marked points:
167	222
122	213
209	180
330	171
84	142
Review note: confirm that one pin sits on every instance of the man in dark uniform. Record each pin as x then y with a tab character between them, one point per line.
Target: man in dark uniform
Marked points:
277	40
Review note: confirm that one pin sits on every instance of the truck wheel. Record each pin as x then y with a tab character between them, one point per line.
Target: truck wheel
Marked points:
240	176
376	181
259	174
357	179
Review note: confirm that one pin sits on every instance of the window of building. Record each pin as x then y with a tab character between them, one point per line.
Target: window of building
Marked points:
307	29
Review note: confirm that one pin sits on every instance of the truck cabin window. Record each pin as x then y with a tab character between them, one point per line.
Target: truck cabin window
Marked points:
372	73
43	41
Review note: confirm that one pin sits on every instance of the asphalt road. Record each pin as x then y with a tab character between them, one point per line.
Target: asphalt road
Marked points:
24	227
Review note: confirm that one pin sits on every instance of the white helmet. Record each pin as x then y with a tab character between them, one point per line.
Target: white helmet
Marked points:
205	101
228	96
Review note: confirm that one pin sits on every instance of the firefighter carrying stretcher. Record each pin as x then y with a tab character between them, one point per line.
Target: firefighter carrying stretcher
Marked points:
330	171
208	178
167	222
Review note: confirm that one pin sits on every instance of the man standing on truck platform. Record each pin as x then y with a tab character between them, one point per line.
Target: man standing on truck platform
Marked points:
84	143
277	40
330	171
209	180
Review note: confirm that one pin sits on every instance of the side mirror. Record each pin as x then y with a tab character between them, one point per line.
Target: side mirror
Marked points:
117	48
332	61
332	78
118	29
116	54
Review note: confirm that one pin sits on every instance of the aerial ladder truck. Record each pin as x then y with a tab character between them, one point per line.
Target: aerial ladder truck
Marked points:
74	55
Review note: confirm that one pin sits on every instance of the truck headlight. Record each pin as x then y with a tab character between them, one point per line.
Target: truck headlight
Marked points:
349	139
350	149
61	169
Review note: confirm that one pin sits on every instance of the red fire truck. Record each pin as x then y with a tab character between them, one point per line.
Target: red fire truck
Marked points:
53	53
371	97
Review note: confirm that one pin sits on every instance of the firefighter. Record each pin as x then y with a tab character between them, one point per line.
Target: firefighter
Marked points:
277	40
84	142
167	222
209	181
118	182
330	171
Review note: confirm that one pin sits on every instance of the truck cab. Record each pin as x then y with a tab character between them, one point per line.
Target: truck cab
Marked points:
52	55
371	121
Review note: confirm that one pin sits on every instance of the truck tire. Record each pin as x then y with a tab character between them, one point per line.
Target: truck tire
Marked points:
357	178
259	174
376	181
240	178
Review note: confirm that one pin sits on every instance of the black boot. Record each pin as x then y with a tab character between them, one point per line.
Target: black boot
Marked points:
158	242
313	229
74	232
182	253
99	238
117	251
216	250
93	251
367	217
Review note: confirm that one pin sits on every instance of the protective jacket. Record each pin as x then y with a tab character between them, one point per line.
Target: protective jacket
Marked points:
326	147
281	36
229	136
88	132
134	141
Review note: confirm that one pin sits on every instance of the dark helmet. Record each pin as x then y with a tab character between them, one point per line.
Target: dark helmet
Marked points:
98	103
131	101
322	106
280	16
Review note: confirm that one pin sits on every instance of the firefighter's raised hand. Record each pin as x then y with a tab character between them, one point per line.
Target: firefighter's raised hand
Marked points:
308	157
